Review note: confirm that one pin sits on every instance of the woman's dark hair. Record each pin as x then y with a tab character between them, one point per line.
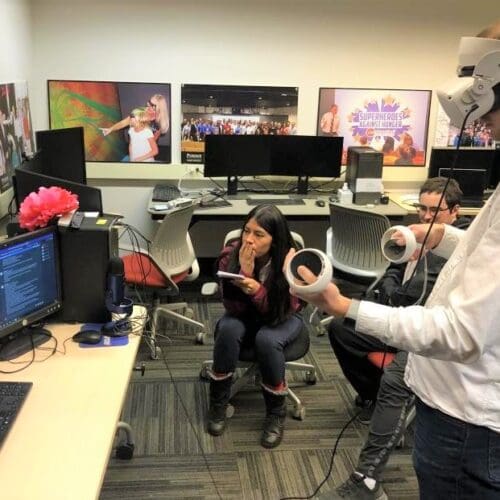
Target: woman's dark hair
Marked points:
278	296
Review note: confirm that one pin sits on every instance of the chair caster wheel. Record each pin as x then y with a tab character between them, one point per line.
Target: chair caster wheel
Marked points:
200	338
310	378
299	413
156	352
125	451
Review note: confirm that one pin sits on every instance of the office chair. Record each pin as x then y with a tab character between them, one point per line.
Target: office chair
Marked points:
247	370
170	260
353	242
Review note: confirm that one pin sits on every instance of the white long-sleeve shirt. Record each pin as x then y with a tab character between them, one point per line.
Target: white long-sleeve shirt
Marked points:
455	338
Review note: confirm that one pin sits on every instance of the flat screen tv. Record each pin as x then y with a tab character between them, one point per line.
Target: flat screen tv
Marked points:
62	153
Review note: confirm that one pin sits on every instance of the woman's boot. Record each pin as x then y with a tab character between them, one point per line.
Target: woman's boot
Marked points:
274	425
220	391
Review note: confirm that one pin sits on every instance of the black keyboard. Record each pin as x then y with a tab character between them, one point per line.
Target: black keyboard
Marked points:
165	192
12	396
275	201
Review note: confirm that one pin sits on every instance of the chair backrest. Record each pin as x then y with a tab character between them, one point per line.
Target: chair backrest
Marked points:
171	248
235	234
353	244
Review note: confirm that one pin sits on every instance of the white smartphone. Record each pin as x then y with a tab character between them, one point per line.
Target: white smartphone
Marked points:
231	276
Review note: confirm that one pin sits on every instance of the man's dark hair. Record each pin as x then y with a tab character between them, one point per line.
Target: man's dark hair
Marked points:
453	194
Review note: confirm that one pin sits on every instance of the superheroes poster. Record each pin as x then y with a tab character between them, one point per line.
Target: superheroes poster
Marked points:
394	122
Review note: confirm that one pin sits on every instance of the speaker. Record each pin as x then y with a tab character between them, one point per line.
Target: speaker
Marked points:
85	254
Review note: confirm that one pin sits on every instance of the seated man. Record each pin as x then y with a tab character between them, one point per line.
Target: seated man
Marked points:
393	397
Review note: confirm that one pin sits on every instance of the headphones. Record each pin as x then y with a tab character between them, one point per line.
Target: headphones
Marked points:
475	90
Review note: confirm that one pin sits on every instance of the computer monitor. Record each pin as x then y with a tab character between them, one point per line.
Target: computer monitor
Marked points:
472	184
468	159
63	153
248	155
30	289
26	181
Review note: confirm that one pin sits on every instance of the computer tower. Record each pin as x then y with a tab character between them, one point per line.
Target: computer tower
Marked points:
364	174
85	254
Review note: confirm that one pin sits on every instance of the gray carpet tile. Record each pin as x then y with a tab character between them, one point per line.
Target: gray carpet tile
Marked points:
176	458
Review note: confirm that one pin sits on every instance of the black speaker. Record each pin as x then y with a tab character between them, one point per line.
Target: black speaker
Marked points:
85	254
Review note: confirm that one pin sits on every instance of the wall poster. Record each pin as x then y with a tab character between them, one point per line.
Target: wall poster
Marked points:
16	132
122	121
233	109
392	121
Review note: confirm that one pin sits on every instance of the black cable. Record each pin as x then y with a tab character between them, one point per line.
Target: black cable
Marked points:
186	412
330	467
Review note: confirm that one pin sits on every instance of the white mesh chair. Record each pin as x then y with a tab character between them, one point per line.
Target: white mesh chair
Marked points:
170	260
353	241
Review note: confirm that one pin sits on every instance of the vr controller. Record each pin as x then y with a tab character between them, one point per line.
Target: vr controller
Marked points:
318	262
398	254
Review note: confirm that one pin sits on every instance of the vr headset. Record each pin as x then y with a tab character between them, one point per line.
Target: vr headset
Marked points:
476	89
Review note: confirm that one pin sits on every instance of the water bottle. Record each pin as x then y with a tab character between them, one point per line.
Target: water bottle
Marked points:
345	195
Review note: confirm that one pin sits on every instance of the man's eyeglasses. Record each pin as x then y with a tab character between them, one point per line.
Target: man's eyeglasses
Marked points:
432	210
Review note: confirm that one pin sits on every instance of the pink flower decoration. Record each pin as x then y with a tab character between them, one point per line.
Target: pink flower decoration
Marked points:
38	209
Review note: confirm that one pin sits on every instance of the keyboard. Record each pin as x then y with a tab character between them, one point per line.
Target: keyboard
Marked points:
275	201
12	396
165	192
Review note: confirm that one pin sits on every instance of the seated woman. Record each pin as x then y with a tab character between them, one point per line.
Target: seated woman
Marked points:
259	311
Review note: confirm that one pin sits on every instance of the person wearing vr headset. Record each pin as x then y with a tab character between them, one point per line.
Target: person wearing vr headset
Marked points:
384	393
454	340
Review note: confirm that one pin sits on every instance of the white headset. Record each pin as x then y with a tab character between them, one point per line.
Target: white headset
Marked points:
477	74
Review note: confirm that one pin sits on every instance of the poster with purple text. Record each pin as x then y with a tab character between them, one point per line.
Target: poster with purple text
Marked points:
394	122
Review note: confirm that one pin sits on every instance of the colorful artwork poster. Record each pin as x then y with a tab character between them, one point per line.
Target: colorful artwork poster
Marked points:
394	122
16	132
122	121
233	110
475	135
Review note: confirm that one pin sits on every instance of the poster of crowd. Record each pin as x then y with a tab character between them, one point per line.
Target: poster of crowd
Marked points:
16	132
122	121
233	110
475	135
394	122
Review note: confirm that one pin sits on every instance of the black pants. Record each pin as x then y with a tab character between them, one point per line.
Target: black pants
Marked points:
388	388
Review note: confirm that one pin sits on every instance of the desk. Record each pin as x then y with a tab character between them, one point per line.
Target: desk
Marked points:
60	443
308	211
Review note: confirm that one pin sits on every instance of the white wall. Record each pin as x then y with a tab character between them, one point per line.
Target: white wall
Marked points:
303	43
15	54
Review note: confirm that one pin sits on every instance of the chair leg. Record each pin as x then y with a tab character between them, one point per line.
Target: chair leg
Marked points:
299	410
170	313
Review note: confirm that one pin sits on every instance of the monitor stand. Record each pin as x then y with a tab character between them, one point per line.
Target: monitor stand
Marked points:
22	341
232	185
302	184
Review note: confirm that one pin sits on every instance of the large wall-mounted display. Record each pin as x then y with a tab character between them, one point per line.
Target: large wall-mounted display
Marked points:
122	121
392	121
16	133
233	110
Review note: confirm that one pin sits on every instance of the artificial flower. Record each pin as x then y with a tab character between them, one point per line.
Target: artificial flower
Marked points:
39	208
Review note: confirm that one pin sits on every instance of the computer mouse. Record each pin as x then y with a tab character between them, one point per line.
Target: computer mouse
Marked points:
88	337
320	203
